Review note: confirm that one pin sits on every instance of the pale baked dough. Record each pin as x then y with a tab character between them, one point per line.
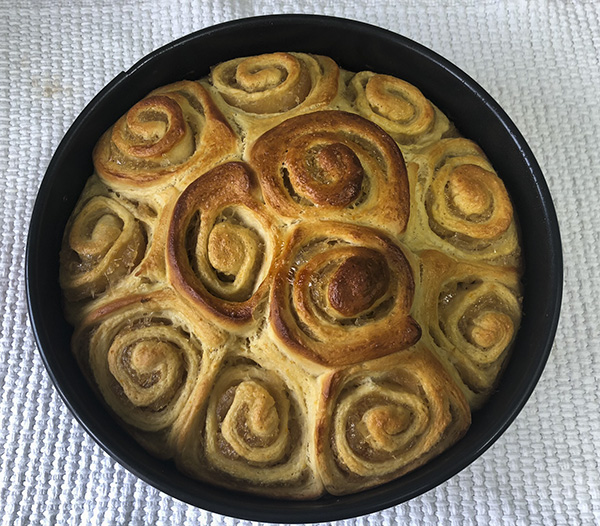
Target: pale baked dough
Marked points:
292	279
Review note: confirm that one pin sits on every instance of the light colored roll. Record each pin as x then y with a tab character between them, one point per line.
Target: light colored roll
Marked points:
146	358
471	315
103	243
379	422
276	82
398	107
460	206
254	435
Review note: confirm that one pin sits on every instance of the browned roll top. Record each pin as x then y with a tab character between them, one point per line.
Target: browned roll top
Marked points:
333	165
342	294
165	134
358	282
221	245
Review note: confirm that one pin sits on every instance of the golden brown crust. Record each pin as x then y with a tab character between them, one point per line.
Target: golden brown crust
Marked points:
222	245
333	165
264	291
160	138
342	294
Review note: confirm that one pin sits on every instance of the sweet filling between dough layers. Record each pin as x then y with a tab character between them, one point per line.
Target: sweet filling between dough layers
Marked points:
292	279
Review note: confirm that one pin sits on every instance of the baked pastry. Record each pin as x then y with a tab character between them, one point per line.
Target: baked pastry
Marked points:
292	279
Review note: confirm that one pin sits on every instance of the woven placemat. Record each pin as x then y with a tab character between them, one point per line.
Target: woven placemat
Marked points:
537	58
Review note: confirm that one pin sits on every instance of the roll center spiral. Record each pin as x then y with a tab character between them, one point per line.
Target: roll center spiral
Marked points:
252	423
106	230
387	97
148	370
467	190
99	237
357	284
146	359
380	424
230	246
252	76
155	128
489	329
263	420
327	174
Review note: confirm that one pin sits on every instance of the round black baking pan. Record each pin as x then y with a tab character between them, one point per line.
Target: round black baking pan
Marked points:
355	46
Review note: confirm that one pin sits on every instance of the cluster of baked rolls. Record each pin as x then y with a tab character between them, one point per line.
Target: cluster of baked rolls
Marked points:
292	279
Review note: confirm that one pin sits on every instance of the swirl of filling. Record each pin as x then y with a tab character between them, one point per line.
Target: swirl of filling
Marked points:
254	429
479	319
221	245
326	173
470	200
466	203
395	105
377	422
472	313
144	358
155	129
342	295
160	137
385	422
333	165
276	82
102	245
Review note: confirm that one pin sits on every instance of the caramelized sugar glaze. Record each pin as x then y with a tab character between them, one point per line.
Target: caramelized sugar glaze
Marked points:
292	279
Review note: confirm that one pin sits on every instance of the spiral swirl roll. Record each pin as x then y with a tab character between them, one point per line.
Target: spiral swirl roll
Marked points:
165	134
381	423
103	244
472	313
342	295
276	82
462	205
333	165
146	360
221	245
398	107
255	433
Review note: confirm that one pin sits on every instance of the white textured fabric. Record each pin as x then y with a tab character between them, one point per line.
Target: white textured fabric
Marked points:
538	58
